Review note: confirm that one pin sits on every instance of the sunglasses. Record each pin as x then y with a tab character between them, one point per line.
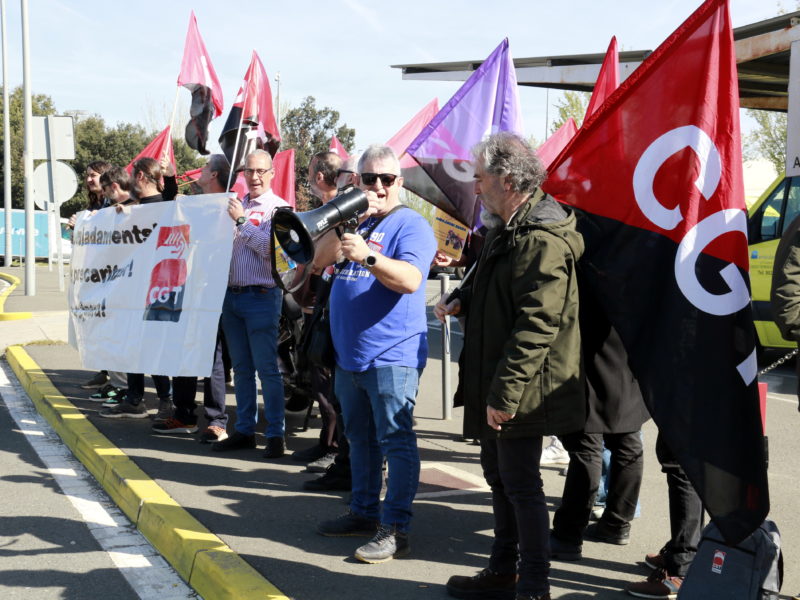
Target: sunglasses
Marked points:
387	179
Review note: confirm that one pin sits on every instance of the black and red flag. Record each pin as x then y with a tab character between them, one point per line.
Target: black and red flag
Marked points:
198	76
251	122
657	173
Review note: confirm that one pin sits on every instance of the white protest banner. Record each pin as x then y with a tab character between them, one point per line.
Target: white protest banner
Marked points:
147	285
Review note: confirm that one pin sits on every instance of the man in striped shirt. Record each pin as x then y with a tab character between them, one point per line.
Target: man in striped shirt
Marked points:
251	311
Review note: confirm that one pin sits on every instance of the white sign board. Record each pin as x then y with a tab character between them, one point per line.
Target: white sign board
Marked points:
147	285
53	181
53	138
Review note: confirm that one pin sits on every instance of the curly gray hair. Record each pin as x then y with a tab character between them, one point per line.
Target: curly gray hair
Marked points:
507	155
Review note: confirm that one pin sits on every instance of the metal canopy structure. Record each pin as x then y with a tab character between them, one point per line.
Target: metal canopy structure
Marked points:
762	54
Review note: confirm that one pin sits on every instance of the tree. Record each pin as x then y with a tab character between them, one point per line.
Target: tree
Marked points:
41	105
573	104
309	130
768	139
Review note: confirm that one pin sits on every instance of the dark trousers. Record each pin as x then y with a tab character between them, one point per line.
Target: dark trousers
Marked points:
184	391
685	513
521	524
136	387
322	392
583	480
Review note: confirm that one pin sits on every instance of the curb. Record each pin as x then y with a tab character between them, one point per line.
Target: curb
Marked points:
14	316
203	560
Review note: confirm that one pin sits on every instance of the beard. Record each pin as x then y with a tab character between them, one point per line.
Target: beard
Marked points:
491	220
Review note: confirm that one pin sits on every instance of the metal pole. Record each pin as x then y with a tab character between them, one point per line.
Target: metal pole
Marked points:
9	252
278	100
55	202
447	399
27	159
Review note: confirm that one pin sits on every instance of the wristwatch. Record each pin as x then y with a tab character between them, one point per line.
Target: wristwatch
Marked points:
241	220
369	261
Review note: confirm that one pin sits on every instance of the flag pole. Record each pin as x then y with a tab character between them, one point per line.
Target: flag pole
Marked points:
238	136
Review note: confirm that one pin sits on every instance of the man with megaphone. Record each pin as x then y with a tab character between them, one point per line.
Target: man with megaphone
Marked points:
379	329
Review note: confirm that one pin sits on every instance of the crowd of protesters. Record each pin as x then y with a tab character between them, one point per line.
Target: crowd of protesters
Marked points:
538	361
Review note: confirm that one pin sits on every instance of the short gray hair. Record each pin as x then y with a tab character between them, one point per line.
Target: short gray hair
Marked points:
505	154
377	152
260	152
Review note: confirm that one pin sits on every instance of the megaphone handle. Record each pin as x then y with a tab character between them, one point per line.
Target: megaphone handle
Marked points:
350	225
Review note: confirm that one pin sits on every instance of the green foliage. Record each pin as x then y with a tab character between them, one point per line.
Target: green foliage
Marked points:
768	140
41	106
94	140
308	130
573	104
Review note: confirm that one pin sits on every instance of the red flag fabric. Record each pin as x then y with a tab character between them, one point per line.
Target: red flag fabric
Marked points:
240	186
336	146
156	149
283	181
553	145
657	175
198	76
409	132
196	67
607	80
253	111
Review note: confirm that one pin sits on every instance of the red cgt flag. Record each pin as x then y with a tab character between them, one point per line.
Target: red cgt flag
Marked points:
157	149
657	175
553	145
607	80
336	146
283	181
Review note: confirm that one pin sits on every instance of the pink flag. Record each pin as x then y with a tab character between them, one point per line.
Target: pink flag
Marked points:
336	146
553	146
157	149
410	131
196	68
607	80
283	181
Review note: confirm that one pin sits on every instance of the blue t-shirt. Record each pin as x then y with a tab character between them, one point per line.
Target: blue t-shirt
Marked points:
373	326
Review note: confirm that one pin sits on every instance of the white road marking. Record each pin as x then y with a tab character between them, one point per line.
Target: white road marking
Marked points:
143	567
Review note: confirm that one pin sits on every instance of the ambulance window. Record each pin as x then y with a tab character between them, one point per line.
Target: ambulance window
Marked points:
792	204
768	216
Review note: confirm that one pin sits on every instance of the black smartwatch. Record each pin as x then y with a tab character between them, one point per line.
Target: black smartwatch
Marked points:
241	221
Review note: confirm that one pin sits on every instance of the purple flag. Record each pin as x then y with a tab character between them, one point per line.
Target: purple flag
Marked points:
487	103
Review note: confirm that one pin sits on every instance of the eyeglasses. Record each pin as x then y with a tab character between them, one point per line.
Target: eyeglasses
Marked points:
387	179
341	171
259	172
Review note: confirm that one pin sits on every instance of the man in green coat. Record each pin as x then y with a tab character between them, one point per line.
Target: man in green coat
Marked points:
522	372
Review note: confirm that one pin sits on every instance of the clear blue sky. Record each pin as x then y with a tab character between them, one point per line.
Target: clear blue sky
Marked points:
121	60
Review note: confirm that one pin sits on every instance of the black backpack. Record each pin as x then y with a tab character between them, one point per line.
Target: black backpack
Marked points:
752	570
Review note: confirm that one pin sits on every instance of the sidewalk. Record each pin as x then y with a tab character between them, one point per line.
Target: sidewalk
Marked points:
259	510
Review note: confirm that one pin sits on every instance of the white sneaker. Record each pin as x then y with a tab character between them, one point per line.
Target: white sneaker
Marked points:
554	454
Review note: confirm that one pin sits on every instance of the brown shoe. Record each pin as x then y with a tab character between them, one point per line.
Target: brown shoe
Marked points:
657	561
213	433
486	584
658	585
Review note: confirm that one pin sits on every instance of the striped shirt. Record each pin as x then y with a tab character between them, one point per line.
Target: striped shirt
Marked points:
250	260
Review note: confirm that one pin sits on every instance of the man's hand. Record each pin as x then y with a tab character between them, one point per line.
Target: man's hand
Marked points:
72	220
166	167
235	208
443	309
495	418
440	259
354	247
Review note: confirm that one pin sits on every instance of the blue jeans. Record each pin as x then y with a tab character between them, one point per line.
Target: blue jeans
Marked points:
378	411
250	322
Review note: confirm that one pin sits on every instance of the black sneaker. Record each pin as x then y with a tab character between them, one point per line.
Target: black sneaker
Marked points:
276	448
545	596
601	532
236	441
98	380
125	410
309	454
349	524
322	463
104	393
561	550
172	425
329	482
486	584
387	544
